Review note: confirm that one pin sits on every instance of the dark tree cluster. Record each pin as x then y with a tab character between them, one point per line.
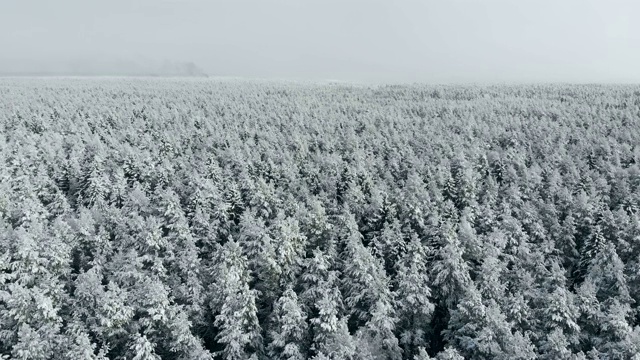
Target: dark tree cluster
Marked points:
201	219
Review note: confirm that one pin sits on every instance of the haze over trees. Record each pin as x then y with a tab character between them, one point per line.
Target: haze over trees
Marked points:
103	67
198	219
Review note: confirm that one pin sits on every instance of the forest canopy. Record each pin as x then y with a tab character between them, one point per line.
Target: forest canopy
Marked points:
200	219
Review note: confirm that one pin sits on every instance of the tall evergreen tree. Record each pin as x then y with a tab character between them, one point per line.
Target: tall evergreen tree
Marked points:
482	331
557	315
606	305
184	262
413	302
331	337
262	257
291	245
367	296
450	272
233	301
288	338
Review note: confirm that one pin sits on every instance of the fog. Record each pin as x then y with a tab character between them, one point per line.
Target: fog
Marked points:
447	41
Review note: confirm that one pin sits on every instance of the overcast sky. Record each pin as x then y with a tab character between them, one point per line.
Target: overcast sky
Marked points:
365	41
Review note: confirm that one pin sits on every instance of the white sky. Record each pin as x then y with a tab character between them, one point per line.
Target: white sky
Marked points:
366	40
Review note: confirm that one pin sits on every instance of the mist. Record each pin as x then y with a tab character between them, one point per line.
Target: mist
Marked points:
361	41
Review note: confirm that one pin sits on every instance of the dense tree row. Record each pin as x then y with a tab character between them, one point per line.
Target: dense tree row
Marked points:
200	219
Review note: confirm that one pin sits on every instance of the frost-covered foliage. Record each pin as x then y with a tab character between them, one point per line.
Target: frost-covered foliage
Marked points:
199	219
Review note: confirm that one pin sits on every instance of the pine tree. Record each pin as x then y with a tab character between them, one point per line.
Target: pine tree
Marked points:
378	334
449	354
262	257
32	344
104	310
558	316
566	243
291	245
175	335
119	187
234	304
331	337
417	201
77	344
184	264
142	349
469	240
606	305
485	219
364	283
322	301
95	185
34	268
316	278
388	245
483	331
316	225
450	272
607	271
421	354
464	186
555	345
617	338
491	274
413	298
289	334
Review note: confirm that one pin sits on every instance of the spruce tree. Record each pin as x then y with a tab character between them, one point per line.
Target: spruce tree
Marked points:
288	337
413	301
234	304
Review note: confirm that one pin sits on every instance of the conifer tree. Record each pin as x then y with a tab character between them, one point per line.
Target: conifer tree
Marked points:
234	304
483	331
558	315
184	267
291	245
449	354
95	185
77	344
413	298
606	305
316	278
142	349
262	259
33	272
450	272
388	245
331	337
421	354
288	338
364	283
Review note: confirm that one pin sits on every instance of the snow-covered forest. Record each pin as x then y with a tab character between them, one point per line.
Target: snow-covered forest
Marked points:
201	219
